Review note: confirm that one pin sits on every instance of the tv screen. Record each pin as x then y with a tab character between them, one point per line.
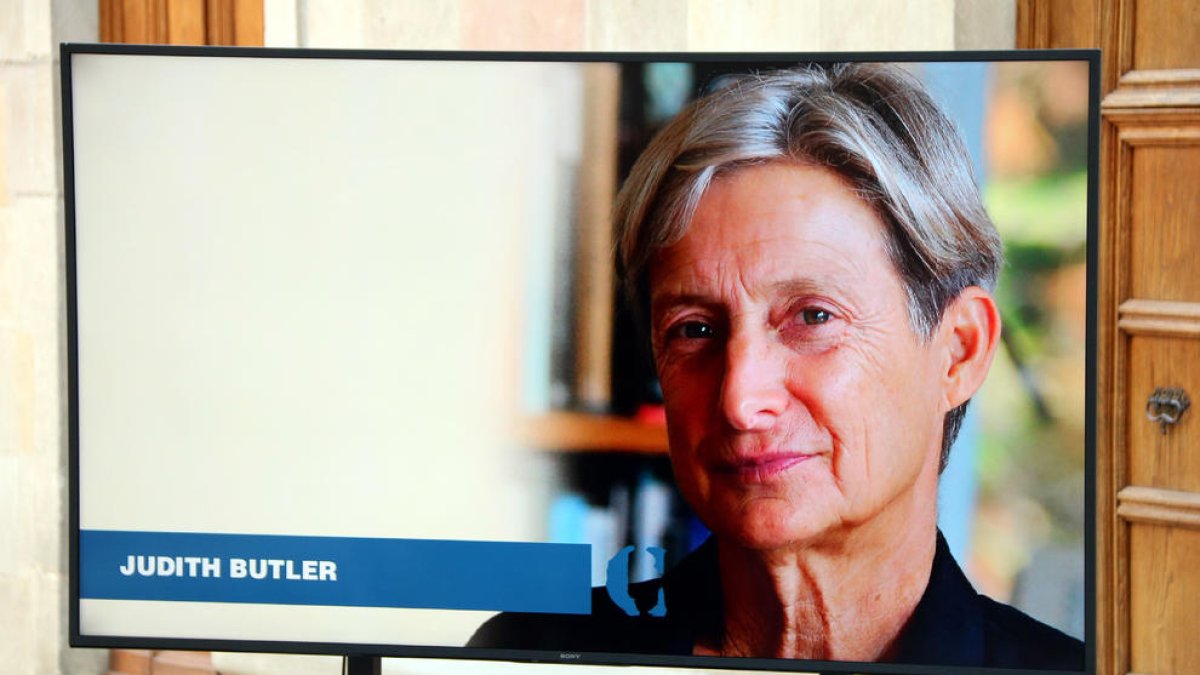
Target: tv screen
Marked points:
610	359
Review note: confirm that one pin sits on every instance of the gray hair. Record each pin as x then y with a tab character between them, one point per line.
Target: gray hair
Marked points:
876	127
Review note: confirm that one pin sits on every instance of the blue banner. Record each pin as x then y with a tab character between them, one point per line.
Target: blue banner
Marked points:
340	571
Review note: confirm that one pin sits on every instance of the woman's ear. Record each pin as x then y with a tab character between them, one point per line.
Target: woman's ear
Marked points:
970	332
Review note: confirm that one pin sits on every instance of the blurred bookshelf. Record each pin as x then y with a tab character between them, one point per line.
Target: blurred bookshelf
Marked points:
586	432
590	409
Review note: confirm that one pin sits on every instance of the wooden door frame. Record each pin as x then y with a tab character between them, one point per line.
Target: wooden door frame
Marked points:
1087	24
1138	107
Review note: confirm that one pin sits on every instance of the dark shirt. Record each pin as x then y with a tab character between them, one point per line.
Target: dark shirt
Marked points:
951	625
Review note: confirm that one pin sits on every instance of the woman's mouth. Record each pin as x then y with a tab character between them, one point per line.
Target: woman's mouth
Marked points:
763	468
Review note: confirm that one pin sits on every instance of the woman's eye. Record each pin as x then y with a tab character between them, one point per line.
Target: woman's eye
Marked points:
696	330
812	316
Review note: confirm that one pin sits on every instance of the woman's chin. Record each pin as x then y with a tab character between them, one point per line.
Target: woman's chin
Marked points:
768	527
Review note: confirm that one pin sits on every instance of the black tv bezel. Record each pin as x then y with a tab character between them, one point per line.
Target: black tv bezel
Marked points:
77	639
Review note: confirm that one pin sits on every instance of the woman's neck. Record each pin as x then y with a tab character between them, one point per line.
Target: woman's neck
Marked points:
846	597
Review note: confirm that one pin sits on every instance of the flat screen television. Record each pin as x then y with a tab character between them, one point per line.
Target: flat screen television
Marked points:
584	358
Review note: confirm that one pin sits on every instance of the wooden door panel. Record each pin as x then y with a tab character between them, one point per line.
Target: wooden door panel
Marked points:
1163	34
1154	459
1161	210
1164	589
185	22
182	22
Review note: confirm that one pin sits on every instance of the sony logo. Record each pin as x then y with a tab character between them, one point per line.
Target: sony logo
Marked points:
568	655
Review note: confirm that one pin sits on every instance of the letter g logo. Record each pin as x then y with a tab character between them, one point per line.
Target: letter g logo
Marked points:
617	583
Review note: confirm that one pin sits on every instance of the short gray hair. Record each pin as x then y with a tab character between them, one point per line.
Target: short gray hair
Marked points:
875	126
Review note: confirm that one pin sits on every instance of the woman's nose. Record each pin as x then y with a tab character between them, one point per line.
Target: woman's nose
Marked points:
753	394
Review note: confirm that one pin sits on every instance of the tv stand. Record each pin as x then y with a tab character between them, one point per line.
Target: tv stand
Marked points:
362	665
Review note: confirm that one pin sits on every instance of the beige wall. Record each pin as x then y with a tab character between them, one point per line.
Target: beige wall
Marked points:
32	331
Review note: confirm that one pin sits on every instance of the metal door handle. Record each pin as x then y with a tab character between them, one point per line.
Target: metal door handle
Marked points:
1166	405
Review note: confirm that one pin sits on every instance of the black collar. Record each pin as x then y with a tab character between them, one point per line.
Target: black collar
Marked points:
945	628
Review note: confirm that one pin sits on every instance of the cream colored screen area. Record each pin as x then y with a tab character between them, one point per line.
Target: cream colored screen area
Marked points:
299	292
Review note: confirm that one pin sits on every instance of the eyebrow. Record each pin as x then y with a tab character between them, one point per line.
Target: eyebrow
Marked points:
786	287
661	303
795	287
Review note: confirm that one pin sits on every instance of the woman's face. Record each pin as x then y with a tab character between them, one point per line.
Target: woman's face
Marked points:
799	399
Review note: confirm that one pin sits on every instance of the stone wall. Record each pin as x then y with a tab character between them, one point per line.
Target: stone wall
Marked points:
636	25
33	434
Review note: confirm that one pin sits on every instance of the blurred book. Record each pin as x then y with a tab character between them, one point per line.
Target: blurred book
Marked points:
653	501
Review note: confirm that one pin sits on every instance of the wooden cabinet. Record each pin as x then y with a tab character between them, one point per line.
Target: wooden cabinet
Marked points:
1148	487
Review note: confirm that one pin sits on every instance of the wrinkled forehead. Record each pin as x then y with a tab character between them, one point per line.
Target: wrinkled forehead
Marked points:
770	225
